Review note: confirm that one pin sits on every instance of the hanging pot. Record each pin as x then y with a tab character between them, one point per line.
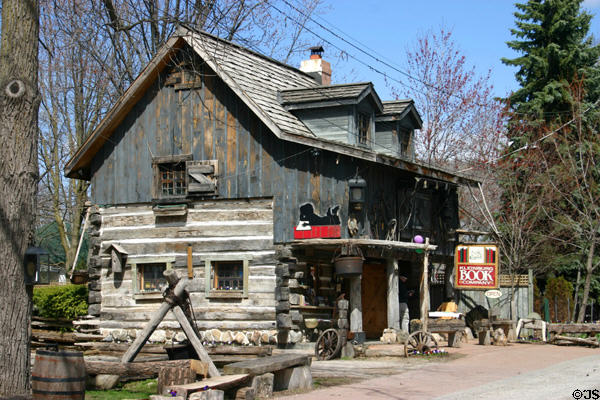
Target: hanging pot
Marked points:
348	265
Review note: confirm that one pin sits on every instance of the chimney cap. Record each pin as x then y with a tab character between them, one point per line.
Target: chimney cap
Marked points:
316	50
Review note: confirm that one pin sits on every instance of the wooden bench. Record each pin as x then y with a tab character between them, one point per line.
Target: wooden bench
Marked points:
454	328
218	382
290	371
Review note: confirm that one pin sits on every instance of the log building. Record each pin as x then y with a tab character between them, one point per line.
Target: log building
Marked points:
264	173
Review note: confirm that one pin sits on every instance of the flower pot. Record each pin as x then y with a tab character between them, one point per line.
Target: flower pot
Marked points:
79	278
348	265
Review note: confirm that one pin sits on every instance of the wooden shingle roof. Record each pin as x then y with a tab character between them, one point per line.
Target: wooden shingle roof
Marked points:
255	78
396	106
333	94
398	109
259	82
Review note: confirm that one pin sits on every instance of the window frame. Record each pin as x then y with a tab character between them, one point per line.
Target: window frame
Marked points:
209	264
360	117
157	163
405	141
137	266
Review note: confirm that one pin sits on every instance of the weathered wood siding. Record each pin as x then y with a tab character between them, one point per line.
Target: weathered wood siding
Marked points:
210	122
236	229
331	123
386	138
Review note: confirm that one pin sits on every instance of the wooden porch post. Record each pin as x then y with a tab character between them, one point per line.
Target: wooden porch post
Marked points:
356	308
424	289
393	306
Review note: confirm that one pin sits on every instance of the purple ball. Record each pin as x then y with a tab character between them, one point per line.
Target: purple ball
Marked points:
418	239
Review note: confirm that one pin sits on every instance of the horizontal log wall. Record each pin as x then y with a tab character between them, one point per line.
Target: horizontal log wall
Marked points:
216	230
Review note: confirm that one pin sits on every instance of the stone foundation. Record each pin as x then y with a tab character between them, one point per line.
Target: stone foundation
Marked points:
208	337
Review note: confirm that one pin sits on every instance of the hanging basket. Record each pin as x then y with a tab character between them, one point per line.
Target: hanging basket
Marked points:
349	261
79	278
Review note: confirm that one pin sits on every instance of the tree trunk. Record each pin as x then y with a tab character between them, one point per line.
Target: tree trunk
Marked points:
19	104
589	269
576	294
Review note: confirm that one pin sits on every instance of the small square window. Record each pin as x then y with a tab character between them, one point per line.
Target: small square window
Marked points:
171	179
227	275
226	278
364	128
150	277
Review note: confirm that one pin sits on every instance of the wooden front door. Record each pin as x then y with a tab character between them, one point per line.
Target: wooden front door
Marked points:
374	300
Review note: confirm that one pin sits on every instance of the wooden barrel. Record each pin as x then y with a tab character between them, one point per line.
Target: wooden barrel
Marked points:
58	375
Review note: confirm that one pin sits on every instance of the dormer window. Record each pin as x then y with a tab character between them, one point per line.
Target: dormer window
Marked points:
405	136
364	128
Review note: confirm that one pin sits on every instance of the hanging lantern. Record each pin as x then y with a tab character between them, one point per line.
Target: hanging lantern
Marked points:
358	192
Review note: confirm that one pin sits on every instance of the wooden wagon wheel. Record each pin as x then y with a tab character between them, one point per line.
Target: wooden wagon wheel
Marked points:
328	344
419	341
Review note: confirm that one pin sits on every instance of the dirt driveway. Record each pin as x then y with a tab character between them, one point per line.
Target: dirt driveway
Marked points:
523	371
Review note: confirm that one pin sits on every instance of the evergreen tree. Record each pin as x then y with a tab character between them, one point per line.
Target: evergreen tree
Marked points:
552	36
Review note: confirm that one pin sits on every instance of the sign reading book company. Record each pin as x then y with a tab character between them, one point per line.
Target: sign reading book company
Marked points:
476	266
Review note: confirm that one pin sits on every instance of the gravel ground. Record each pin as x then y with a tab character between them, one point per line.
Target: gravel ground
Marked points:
518	371
560	381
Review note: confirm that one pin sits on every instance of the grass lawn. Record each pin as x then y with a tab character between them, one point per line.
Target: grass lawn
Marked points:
132	390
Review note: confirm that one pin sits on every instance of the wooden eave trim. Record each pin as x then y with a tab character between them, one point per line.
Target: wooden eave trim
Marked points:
376	100
319	143
83	156
333	102
415	114
234	86
423	170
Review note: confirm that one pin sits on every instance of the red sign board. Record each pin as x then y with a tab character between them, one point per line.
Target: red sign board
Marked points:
319	231
476	266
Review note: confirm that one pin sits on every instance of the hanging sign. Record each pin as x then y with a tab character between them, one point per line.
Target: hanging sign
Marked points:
312	225
476	266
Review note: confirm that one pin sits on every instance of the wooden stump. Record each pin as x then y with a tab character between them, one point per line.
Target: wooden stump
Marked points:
485	337
245	393
168	376
454	339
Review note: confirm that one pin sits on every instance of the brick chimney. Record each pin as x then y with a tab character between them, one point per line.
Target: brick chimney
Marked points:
318	68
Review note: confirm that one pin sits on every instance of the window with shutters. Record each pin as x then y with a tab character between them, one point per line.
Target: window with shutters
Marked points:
202	177
178	177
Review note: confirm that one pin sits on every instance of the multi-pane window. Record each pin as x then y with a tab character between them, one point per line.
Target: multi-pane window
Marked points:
150	276
171	179
364	128
404	142
227	275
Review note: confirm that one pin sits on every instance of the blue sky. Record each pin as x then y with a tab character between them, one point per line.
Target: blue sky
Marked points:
480	28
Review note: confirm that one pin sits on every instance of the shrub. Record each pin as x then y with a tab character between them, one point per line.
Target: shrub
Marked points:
67	301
